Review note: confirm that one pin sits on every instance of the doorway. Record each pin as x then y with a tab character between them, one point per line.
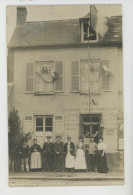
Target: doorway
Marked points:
90	126
43	128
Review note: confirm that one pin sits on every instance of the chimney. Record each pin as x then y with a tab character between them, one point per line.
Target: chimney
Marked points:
21	15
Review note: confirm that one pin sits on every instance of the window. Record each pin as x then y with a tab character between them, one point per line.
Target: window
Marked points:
90	76
87	33
90	125
39	124
44	123
44	80
44	77
48	124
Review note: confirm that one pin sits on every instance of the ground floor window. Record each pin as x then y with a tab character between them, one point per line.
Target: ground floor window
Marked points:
90	125
44	123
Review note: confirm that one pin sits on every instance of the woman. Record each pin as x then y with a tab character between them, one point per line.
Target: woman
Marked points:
69	149
80	162
102	161
35	161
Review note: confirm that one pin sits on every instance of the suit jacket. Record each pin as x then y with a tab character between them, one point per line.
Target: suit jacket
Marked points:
48	148
72	147
24	151
58	147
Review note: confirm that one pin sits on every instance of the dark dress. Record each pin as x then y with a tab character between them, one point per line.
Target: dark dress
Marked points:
35	160
69	149
102	160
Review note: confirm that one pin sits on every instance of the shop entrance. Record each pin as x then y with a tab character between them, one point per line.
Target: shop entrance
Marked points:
90	126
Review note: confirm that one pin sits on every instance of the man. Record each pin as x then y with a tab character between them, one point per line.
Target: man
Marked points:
24	155
58	148
69	149
92	152
48	153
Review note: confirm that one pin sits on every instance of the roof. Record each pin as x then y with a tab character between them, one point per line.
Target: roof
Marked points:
60	32
114	33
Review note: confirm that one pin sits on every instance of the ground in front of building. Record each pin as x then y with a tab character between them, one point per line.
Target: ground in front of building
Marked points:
65	179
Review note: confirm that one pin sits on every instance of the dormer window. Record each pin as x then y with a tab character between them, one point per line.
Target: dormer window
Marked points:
87	33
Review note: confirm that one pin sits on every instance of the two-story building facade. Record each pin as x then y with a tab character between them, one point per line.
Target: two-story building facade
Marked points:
63	84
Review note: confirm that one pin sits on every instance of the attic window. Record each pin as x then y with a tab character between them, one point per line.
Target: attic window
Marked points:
87	32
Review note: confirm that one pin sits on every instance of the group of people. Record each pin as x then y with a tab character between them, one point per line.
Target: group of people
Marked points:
58	156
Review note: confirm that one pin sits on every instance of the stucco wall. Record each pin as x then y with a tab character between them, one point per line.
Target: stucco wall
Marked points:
67	104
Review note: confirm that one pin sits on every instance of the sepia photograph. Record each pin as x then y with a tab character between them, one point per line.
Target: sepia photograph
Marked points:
65	95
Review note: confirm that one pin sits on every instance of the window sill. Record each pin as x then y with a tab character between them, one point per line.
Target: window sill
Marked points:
90	41
43	93
106	91
86	93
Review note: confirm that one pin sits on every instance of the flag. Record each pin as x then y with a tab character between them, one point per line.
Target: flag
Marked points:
106	70
97	21
93	16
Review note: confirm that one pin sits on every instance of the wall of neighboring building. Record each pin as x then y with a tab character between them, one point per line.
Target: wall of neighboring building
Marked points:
67	104
10	65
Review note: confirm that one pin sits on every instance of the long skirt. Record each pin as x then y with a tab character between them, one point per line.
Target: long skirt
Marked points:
70	161
36	161
80	162
102	162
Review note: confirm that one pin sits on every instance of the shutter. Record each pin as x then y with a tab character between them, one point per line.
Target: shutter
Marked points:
29	77
105	78
59	83
75	76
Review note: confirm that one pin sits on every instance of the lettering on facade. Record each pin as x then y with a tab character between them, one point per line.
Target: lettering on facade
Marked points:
96	109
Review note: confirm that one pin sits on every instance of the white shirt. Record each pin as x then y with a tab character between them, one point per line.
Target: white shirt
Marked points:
68	146
102	146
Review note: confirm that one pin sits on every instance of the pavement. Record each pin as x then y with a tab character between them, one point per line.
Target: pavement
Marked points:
66	178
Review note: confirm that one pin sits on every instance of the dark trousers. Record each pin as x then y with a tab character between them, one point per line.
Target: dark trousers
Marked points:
92	162
47	162
59	162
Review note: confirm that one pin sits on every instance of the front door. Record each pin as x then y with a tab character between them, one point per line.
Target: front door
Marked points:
90	126
43	128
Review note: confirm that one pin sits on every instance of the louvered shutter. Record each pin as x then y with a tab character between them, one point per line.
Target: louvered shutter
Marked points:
59	83
29	77
105	78
75	76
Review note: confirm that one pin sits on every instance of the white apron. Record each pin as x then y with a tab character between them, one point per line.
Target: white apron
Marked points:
80	162
70	161
36	161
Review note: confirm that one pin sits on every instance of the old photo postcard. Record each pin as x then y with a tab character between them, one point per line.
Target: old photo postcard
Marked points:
65	95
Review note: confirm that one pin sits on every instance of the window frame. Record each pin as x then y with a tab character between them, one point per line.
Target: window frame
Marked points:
82	34
92	92
42	92
44	123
